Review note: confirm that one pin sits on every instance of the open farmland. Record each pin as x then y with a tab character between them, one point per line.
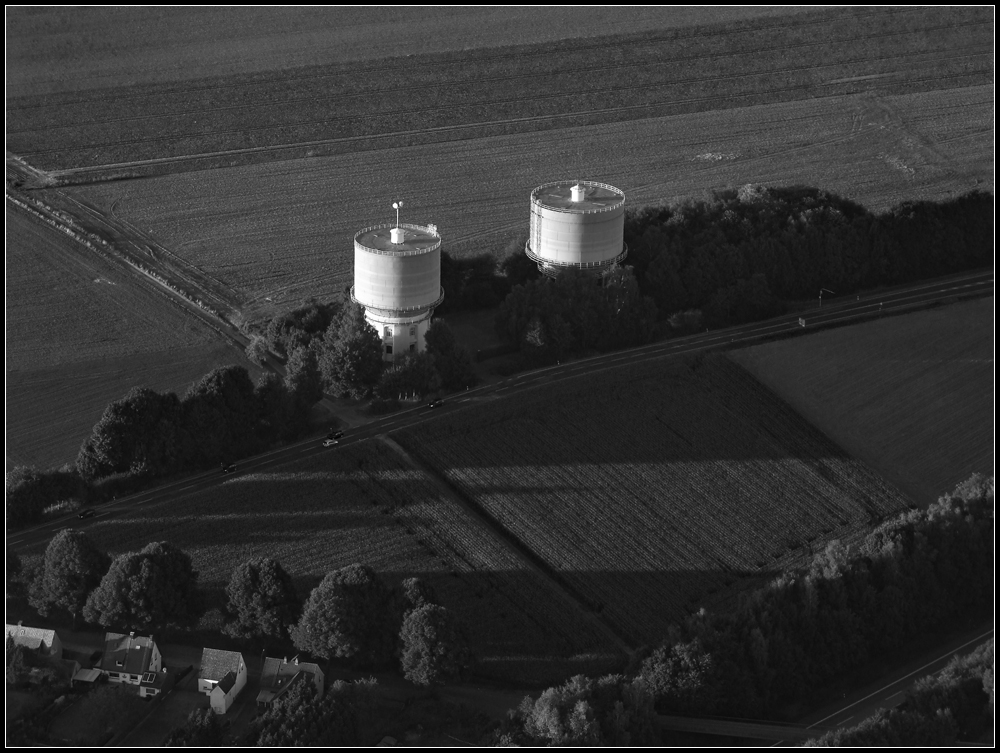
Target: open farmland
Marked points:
80	333
651	487
73	49
911	395
364	504
284	230
355	107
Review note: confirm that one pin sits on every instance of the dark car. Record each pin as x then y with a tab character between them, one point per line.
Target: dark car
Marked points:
335	435
88	513
435	403
228	468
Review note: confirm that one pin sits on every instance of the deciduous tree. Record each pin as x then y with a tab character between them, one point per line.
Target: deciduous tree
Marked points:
434	647
262	600
154	587
71	569
351	358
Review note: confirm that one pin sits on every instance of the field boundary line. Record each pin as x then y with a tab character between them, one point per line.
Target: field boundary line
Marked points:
510	542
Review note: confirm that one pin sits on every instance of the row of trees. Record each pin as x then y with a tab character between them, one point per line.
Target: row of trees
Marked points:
548	319
740	254
940	709
154	587
910	575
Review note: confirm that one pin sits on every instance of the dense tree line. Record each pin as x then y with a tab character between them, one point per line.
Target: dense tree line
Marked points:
910	575
611	710
202	729
917	572
739	255
29	491
549	319
955	704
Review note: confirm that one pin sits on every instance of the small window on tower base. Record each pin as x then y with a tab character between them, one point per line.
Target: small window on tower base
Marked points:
388	350
413	347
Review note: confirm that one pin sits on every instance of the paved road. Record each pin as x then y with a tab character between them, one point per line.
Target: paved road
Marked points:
832	313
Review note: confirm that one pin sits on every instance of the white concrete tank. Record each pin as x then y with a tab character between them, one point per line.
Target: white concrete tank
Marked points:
397	278
577	224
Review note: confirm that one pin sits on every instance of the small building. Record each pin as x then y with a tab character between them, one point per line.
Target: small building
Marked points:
44	643
279	675
222	676
128	657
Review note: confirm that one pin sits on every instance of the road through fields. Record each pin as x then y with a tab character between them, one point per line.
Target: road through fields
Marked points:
887	302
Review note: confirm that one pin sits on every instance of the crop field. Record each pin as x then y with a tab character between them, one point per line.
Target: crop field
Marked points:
74	49
911	395
475	93
364	504
651	488
81	332
285	230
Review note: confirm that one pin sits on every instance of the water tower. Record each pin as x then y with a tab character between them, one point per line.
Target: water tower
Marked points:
577	224
397	278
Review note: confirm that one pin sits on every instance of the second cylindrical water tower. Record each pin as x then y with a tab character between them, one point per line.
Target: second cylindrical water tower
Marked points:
397	278
577	225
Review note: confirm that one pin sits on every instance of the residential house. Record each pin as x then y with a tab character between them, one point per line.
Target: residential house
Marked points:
280	674
44	643
221	677
128	657
154	683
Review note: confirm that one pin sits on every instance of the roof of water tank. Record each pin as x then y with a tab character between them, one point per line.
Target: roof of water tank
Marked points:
597	196
416	239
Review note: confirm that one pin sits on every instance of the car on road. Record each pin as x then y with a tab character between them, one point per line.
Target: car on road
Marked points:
435	403
335	435
88	513
228	468
330	442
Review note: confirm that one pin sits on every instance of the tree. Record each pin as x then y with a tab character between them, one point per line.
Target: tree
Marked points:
415	376
29	491
434	646
351	357
262	600
138	434
275	409
155	587
302	378
203	729
15	588
682	678
346	616
18	661
71	569
257	350
220	415
452	362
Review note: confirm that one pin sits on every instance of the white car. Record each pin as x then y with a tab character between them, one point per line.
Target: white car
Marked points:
330	442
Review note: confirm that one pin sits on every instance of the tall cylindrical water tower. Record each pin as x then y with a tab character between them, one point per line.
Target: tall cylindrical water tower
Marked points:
577	224
397	278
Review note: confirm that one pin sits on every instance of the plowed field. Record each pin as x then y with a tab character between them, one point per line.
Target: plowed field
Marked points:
651	488
911	395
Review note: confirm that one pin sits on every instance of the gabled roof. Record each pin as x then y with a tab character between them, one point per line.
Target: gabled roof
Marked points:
29	637
127	653
216	663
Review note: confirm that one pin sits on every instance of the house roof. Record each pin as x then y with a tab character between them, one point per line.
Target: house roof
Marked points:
216	663
227	682
29	637
279	674
127	653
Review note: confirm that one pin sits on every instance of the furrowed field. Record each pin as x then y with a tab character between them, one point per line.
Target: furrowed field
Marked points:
285	230
650	488
912	395
364	504
81	333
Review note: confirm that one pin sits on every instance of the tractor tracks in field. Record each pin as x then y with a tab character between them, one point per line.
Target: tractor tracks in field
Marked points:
514	545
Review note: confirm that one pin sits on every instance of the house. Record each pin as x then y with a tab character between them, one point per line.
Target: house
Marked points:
221	677
44	643
128	657
280	674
